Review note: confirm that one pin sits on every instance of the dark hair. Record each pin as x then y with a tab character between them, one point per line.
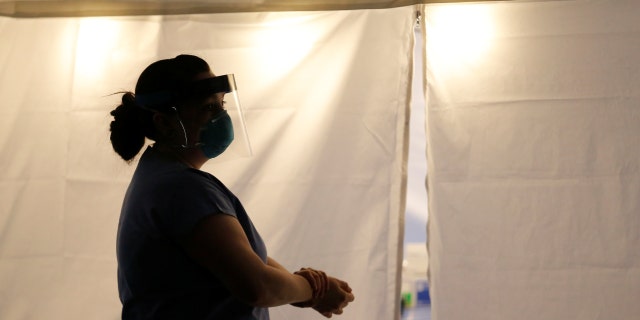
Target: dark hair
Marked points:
132	121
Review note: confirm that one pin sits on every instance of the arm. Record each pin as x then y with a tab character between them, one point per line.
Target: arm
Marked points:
219	243
317	279
273	263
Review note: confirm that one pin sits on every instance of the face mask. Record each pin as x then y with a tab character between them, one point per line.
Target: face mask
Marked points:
217	135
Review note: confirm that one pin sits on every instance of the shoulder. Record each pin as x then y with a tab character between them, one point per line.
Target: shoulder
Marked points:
186	197
162	175
196	180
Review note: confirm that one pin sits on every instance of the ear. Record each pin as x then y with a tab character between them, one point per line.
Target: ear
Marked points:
163	124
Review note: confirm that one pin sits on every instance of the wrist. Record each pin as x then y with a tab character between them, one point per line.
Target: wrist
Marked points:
306	303
317	291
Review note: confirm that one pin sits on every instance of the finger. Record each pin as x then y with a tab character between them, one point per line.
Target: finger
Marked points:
344	285
350	297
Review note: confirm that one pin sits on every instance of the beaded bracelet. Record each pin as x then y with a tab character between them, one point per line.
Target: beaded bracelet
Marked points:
315	289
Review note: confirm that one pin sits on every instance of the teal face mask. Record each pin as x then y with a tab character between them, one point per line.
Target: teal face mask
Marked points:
217	135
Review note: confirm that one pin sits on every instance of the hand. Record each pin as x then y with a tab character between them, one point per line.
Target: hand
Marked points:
337	297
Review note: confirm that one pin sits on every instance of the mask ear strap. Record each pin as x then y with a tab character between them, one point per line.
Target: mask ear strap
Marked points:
186	140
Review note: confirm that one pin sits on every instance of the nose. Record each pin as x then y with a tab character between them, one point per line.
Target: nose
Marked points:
218	115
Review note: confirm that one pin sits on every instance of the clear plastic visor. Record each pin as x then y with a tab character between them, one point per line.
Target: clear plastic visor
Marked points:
241	146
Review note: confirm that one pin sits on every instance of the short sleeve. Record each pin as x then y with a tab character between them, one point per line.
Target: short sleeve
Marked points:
195	195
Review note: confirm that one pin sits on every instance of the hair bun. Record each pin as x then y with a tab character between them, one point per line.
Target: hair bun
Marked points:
127	135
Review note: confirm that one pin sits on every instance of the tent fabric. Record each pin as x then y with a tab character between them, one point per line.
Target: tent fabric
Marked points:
325	96
81	8
533	119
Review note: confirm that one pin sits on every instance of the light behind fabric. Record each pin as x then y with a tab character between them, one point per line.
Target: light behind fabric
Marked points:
325	95
533	155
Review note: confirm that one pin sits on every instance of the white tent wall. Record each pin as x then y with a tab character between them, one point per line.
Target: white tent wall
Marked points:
325	94
533	119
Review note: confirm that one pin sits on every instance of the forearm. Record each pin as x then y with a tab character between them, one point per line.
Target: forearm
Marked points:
272	262
280	287
220	244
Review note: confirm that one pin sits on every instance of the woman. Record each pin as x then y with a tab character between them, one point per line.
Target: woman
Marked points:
186	247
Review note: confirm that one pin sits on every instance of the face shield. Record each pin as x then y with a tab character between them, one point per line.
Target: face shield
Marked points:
240	147
165	100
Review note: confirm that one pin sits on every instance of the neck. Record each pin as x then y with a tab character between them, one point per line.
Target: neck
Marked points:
191	157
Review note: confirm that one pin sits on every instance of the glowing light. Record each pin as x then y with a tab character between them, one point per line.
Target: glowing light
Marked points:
96	39
459	32
285	44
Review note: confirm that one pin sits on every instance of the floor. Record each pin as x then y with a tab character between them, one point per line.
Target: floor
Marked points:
417	313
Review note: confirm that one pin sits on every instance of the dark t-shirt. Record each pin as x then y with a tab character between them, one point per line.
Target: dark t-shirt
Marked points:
156	279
